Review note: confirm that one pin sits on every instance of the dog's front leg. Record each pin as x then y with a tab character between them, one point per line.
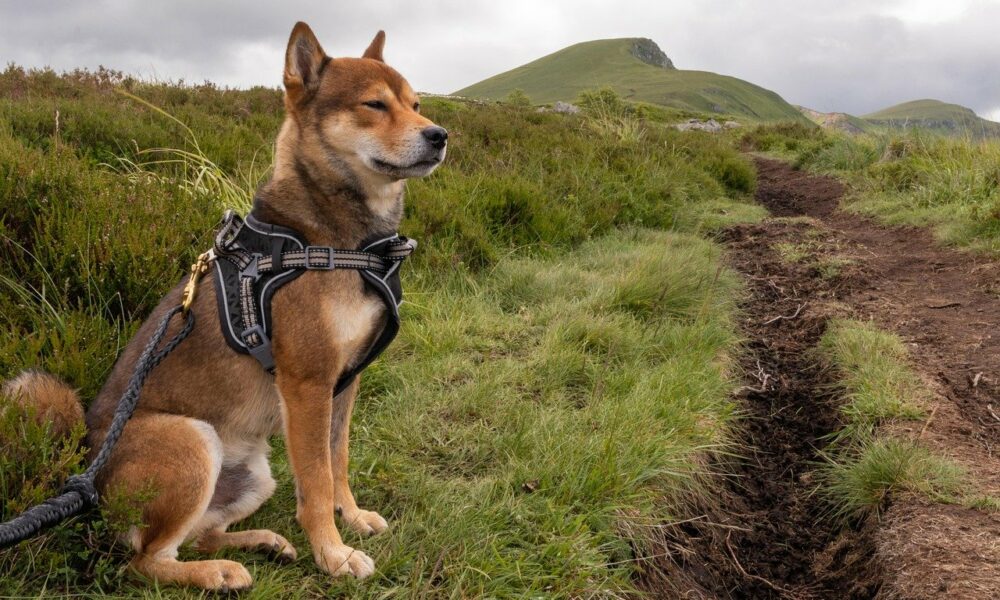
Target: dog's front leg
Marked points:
365	522
308	410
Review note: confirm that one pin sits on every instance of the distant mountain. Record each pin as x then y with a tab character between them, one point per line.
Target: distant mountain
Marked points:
934	115
837	120
639	70
927	115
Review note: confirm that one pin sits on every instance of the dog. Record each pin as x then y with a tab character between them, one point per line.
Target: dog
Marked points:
352	135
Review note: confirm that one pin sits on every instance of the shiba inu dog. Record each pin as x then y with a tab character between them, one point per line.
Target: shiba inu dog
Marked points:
352	135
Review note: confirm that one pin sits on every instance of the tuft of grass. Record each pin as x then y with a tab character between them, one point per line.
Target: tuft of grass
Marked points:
861	482
871	365
191	170
864	468
783	139
611	115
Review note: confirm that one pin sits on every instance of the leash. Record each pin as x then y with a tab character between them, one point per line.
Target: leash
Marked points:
79	491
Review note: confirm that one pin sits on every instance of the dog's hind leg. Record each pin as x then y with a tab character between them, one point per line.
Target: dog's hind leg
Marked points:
365	522
180	458
244	484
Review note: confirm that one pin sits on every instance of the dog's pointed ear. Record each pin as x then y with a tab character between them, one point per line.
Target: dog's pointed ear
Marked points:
304	60
374	50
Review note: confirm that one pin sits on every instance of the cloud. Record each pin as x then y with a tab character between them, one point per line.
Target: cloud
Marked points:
851	55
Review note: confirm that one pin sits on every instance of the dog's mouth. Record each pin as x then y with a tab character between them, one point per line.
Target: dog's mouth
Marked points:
417	169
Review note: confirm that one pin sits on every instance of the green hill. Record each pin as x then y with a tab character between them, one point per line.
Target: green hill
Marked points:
637	69
934	115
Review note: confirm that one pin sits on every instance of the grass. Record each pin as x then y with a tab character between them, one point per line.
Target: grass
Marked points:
863	482
864	467
561	377
872	369
565	74
814	254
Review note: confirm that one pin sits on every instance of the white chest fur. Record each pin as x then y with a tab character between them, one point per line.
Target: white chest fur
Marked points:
353	324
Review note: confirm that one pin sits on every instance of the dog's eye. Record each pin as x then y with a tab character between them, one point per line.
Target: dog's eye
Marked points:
416	106
376	105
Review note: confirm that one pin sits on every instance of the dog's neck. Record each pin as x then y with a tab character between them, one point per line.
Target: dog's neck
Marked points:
327	199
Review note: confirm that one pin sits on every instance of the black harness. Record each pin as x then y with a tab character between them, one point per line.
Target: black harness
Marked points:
254	259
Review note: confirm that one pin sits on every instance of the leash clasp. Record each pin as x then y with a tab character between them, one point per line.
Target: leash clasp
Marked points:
199	268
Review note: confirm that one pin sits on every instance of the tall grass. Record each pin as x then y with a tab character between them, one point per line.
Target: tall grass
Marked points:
872	370
864	466
562	372
191	170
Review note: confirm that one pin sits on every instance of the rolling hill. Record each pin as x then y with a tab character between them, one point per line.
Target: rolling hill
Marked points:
934	115
928	115
638	70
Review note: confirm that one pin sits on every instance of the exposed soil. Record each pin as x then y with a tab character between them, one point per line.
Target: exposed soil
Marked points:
768	537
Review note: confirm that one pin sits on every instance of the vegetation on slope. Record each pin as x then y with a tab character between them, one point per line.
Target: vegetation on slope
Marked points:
927	116
935	116
562	371
563	75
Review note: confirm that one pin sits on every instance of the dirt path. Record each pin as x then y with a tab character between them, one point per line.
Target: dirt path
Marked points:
770	539
944	304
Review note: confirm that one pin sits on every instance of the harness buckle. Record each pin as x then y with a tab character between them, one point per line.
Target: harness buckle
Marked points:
262	351
320	252
251	269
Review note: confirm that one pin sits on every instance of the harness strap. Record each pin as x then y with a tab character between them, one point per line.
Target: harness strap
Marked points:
256	261
325	258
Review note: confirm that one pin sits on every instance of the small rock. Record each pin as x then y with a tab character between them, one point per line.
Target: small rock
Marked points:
565	107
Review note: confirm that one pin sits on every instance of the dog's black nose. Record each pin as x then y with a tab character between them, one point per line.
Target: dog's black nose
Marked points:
437	136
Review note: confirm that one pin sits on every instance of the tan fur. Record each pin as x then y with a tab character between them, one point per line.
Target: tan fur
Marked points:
54	401
200	433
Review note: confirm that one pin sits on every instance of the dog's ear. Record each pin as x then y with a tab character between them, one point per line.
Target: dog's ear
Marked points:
374	50
304	60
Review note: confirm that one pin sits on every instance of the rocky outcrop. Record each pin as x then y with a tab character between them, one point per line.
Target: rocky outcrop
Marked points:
648	52
565	107
710	125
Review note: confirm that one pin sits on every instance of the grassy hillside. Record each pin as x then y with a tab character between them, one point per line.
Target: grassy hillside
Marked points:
935	116
562	374
588	65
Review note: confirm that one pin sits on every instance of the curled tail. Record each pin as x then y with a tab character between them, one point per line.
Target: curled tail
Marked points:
52	399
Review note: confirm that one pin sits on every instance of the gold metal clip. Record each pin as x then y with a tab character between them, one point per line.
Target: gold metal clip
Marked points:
199	268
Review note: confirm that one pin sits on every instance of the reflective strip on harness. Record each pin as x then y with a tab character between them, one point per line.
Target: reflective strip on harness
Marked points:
254	259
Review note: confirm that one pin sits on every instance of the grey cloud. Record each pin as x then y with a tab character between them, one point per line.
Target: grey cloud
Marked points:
850	55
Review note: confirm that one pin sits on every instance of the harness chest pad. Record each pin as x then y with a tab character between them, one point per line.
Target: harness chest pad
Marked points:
254	259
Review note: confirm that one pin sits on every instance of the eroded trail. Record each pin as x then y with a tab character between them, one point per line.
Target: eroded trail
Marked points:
768	535
944	304
785	547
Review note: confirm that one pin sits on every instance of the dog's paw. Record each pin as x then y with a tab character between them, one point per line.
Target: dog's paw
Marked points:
344	560
279	549
365	522
221	576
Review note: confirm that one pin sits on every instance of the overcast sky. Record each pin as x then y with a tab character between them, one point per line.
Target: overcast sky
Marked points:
846	55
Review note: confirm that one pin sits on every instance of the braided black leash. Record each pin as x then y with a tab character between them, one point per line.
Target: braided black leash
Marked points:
79	492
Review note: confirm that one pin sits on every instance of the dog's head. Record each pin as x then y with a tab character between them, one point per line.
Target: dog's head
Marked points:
359	110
